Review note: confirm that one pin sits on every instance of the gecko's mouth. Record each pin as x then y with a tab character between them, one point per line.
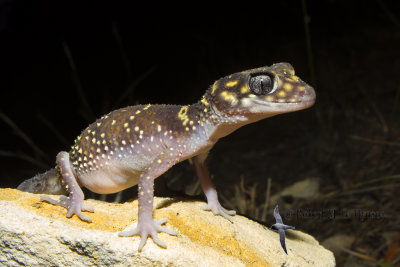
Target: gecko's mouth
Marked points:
291	106
282	106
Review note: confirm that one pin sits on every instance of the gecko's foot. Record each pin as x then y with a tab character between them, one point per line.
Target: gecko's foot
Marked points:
149	227
74	206
217	209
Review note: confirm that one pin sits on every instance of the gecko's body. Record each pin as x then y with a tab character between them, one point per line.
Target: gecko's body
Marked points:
135	145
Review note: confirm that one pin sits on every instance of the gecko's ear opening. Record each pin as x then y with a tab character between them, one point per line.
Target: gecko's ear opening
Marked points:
262	84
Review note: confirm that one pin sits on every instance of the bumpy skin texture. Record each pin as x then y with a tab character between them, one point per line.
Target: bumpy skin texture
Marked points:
136	144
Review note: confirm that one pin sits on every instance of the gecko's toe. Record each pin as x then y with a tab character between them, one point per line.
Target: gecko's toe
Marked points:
163	229
80	215
129	233
53	201
87	208
143	240
161	221
229	212
158	241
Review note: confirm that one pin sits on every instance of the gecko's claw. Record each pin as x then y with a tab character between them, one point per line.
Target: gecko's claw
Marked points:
217	209
144	229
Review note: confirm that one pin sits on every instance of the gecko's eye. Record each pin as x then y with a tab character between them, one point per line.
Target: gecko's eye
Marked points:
261	84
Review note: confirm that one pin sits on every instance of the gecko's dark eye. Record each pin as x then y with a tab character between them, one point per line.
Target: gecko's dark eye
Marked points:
261	84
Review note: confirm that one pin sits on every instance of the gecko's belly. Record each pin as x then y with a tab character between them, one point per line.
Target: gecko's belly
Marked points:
115	175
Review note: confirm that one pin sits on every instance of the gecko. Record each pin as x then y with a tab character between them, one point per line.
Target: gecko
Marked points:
136	144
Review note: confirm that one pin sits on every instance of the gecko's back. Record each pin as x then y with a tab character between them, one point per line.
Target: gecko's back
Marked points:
111	153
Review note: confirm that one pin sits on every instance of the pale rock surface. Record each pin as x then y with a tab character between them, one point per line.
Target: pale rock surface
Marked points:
304	189
34	233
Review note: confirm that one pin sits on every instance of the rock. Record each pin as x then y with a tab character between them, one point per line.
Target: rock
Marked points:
36	233
304	189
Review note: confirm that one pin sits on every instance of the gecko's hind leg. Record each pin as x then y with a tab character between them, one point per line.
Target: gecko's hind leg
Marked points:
74	202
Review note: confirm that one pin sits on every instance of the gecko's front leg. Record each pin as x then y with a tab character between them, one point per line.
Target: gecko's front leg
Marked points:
146	225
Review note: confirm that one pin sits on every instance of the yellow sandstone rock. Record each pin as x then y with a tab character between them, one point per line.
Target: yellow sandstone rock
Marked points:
35	233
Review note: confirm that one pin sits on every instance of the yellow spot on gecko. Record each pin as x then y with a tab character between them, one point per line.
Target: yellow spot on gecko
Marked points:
204	100
281	94
214	87
270	98
182	114
126	124
136	128
146	107
103	135
138	111
113	122
295	78
128	130
131	117
230	97
231	83
158	127
244	89
290	71
288	87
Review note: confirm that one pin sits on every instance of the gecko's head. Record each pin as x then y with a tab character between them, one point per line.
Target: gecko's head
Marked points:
261	92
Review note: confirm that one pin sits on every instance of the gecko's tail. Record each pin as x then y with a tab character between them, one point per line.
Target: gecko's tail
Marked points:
44	183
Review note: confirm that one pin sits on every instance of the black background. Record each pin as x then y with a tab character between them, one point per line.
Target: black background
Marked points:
171	53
